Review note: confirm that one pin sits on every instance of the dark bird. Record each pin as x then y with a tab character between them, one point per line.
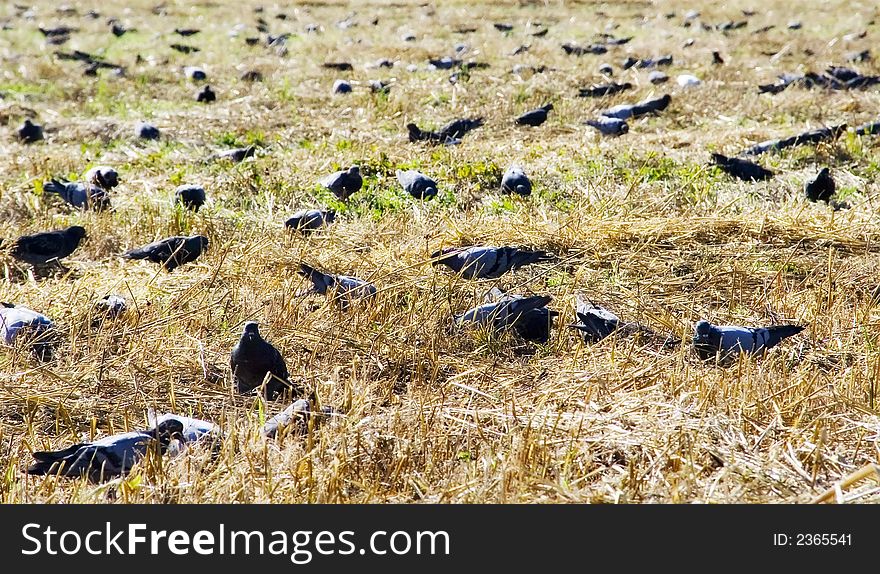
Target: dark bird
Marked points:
344	183
807	137
17	321
444	63
146	131
307	220
602	90
728	341
79	194
487	262
171	252
507	312
594	322
343	288
417	184
119	30
574	50
206	95
251	76
516	181
195	73
57	31
186	31
609	126
341	66
532	325
717	59
822	188
102	176
454	130
741	168
41	248
237	154
190	196
534	117
380	86
253	360
645	107
30	132
342	87
183	49
503	26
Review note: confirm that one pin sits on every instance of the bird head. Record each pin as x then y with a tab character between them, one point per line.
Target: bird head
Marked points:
438	257
203	241
330	216
624	128
702	331
521	189
548	107
354	170
76	232
429	191
251	330
104	177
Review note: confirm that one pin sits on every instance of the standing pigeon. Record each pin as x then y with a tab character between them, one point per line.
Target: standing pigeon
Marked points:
822	188
534	117
30	132
78	194
19	321
344	183
253	359
486	262
594	322
206	95
452	131
417	184
741	168
41	248
515	180
505	312
171	252
307	220
609	126
344	288
728	341
190	196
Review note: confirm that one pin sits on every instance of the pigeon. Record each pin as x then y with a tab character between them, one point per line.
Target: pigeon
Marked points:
171	252
307	220
341	87
184	49
717	59
487	262
344	183
30	132
741	168
534	117
344	288
657	77
186	31
454	130
41	248
78	194
728	341
505	312
444	63
574	50
606	69
206	95
609	126
253	360
195	73
118	29
237	155
105	458
146	131
194	430
626	111
251	76
19	321
380	86
102	176
341	66
594	322
516	181
295	416
822	188
687	80
601	90
190	196
417	184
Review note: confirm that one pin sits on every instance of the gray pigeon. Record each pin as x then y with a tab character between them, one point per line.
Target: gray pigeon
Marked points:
609	126
342	87
307	220
486	262
534	325
516	181
594	322
41	248
236	155
728	341
344	183
30	132
417	184
253	359
78	194
534	117
171	252
146	131
102	176
344	288
108	307
190	196
645	107
505	312
195	73
19	321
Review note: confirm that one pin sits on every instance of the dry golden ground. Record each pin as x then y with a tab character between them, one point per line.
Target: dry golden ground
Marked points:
640	223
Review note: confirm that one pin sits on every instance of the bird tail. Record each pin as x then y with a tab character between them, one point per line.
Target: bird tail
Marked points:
48	462
527	304
777	333
54	186
521	258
